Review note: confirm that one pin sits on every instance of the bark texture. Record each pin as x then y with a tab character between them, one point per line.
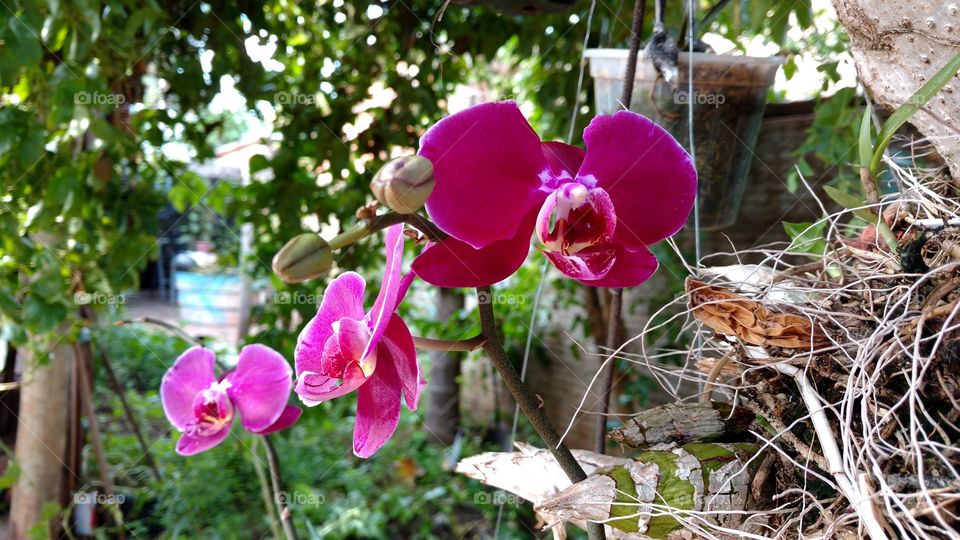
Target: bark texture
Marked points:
897	46
681	423
698	487
41	437
705	484
443	403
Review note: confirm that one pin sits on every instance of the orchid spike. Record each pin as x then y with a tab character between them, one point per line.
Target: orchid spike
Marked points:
203	407
594	212
343	349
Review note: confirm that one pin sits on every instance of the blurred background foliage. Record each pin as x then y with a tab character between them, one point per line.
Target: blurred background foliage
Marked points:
106	102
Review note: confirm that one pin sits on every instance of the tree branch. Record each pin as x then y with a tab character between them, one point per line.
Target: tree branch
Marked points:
531	406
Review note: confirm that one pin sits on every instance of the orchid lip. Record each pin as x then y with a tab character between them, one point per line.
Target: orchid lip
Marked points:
575	217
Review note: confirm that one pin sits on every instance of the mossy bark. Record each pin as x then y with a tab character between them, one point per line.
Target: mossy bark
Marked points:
705	485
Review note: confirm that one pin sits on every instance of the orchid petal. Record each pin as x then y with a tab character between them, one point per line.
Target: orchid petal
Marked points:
289	417
650	178
574	217
189	445
190	374
343	298
398	349
452	263
378	411
487	162
388	299
313	387
352	336
563	162
260	386
631	267
586	265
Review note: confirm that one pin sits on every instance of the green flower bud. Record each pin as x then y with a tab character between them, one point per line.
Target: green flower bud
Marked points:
304	257
404	184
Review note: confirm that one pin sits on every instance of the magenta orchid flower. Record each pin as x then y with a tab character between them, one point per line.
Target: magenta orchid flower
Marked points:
203	407
343	349
594	212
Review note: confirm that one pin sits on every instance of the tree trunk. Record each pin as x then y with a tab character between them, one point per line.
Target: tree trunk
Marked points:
443	392
41	437
897	46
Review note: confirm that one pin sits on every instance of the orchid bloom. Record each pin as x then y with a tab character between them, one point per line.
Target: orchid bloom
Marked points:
343	349
594	212
203	407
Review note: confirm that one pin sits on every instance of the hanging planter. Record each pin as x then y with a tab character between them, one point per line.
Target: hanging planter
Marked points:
729	94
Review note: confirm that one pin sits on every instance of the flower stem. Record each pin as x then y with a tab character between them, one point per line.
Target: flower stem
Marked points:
613	341
448	345
368	226
531	406
273	462
350	236
172	328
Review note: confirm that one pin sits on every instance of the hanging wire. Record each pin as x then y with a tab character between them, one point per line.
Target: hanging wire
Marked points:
692	8
544	266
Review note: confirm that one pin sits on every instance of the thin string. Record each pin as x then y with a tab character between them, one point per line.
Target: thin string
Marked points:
690	100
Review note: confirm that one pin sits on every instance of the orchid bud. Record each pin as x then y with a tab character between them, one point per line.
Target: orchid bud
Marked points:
305	256
404	184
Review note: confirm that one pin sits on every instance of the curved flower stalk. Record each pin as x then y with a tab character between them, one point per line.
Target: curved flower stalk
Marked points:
343	349
594	212
202	407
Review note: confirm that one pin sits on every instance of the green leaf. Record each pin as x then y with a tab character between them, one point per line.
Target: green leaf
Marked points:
9	476
865	146
41	531
850	202
808	238
23	42
910	107
790	68
42	316
187	190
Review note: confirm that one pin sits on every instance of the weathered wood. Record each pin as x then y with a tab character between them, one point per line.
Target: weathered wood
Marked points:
897	46
663	494
533	474
697	477
682	423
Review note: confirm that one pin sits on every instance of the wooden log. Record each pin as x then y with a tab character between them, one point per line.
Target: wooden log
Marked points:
682	423
630	494
695	488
